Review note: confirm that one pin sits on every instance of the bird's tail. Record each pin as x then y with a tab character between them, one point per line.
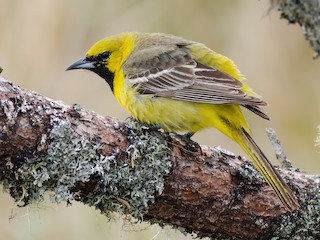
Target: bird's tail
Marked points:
277	183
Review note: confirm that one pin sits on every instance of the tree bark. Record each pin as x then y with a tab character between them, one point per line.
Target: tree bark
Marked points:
72	154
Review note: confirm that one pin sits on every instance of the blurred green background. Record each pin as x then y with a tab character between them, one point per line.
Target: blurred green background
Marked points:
40	39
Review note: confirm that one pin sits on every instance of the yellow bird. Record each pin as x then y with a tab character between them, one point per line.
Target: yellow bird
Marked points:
182	85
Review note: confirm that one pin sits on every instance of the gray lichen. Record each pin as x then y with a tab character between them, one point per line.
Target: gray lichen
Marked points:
302	224
71	160
130	187
150	154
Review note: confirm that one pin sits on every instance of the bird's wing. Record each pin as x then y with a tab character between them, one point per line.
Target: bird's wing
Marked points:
176	75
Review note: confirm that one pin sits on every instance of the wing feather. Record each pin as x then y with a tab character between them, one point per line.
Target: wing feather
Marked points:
185	79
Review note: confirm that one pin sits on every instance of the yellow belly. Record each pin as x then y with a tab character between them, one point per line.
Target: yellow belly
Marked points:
172	115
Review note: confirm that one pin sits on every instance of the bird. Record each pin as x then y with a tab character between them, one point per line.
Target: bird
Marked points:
183	86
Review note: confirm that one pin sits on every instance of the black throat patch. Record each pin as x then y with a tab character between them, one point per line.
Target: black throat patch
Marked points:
105	74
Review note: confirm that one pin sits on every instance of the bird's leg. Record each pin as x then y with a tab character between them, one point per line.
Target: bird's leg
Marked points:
190	144
188	135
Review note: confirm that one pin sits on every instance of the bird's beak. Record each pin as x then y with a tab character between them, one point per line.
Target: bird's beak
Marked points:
94	66
83	63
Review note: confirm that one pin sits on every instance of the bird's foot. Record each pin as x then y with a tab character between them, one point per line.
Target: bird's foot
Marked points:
190	145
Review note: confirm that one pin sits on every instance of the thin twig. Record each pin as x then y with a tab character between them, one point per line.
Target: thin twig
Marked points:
280	154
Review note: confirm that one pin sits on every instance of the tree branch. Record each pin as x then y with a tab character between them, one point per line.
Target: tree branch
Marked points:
76	155
306	14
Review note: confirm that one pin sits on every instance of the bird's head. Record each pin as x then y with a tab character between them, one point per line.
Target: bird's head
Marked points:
106	56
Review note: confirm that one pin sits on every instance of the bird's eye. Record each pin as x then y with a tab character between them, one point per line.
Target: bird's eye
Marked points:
104	55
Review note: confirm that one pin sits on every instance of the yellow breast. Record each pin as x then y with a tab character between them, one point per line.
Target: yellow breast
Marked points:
170	114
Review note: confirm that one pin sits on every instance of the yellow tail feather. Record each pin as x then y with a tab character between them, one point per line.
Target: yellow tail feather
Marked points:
277	183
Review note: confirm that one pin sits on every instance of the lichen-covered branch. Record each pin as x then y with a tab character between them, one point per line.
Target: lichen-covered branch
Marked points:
76	155
307	14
